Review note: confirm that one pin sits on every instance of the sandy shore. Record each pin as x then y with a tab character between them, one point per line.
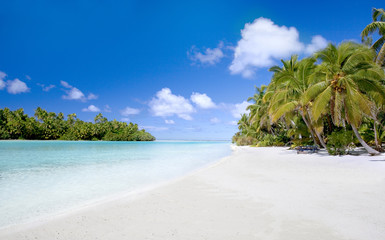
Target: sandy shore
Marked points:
257	193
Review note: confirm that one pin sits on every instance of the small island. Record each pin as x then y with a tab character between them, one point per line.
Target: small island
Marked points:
51	126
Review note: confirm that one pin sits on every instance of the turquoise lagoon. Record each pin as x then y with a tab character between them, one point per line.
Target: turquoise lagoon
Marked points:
40	178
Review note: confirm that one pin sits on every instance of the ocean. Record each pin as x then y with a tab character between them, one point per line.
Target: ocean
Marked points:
43	178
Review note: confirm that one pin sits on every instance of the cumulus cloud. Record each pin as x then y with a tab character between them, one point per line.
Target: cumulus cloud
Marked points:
91	108
3	75
215	120
239	109
208	56
169	121
126	119
16	86
166	104
129	111
73	93
202	100
317	43
263	43
46	88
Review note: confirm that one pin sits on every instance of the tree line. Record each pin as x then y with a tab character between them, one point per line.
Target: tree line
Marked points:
51	126
334	99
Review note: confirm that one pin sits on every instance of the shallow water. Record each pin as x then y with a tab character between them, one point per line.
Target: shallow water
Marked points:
39	178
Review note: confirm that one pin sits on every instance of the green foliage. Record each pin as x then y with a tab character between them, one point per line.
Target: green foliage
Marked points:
339	142
242	140
308	99
267	141
51	126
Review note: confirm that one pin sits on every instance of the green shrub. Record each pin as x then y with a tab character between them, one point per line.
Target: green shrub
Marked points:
338	142
245	140
267	140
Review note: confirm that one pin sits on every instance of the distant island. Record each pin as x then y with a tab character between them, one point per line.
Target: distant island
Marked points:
51	126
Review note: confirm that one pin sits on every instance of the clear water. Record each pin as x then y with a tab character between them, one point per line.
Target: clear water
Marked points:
39	178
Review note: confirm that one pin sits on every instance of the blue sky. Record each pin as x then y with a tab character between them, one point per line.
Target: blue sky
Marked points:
180	69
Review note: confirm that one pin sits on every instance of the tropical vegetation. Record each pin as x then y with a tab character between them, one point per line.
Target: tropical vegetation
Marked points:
334	99
51	126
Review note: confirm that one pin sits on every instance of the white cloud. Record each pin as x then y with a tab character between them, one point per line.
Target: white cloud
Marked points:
74	93
46	88
209	56
317	43
126	119
215	120
16	86
239	109
202	100
129	111
263	43
91	108
3	75
92	96
169	121
65	84
166	104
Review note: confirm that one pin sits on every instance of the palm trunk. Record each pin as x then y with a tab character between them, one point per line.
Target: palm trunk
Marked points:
381	56
320	139
378	146
309	127
370	150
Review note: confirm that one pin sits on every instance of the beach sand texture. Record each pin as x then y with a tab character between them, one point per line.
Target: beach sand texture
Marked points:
257	193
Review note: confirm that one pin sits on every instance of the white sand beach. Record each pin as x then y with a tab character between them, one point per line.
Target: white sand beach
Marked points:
257	193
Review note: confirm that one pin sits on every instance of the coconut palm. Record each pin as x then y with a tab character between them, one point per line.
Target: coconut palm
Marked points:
287	88
378	25
345	82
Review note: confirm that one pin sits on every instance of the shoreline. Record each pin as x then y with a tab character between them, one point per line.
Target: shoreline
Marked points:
262	192
130	195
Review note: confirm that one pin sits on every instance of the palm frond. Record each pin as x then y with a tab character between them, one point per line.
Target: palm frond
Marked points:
372	28
321	103
313	91
378	14
283	109
378	44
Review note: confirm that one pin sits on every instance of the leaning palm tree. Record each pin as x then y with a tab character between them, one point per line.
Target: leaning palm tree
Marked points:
378	25
345	81
288	85
259	118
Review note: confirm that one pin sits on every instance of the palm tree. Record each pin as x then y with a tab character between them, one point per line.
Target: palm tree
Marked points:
378	24
243	124
287	88
344	83
258	117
